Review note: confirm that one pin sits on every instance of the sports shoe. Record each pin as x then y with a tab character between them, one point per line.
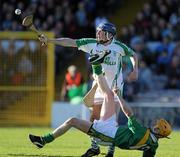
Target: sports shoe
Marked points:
98	58
109	154
91	152
37	140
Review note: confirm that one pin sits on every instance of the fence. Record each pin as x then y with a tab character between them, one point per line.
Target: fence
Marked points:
26	79
148	112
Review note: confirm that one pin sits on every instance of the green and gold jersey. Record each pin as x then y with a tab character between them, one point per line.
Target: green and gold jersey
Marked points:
135	136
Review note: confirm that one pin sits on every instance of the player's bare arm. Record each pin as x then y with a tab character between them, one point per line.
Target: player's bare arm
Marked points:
66	42
133	76
127	110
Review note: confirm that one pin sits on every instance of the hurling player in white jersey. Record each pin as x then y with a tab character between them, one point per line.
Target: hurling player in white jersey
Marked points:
112	66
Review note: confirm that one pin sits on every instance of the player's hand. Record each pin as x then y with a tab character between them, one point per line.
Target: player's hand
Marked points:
116	90
43	39
133	76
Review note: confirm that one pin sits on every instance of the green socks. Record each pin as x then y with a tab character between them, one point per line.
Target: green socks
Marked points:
48	138
97	69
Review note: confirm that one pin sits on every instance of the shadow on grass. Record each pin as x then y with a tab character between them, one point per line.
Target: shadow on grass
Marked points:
30	155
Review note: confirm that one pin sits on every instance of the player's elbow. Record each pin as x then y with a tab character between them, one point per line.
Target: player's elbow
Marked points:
109	96
129	113
135	56
72	121
133	79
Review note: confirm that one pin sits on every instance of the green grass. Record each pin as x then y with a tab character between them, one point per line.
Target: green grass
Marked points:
15	142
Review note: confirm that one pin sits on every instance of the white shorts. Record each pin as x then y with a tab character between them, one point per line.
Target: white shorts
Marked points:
107	127
98	97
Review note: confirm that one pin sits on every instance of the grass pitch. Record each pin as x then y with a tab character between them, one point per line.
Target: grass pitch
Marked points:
15	142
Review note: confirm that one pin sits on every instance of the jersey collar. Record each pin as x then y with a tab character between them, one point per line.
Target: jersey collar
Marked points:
113	40
153	137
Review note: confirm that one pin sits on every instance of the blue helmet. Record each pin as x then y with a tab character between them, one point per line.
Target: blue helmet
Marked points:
107	27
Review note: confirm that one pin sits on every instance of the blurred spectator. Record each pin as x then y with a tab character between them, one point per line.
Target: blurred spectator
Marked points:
132	30
145	78
174	73
141	22
17	78
70	24
73	89
129	91
81	16
6	25
125	36
165	51
177	50
25	65
155	34
90	6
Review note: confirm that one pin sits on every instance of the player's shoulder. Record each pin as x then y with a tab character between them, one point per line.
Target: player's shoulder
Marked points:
120	44
132	118
85	41
123	46
133	121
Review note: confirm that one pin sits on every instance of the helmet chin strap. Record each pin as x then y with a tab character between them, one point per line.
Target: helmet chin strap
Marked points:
108	39
156	134
102	41
107	36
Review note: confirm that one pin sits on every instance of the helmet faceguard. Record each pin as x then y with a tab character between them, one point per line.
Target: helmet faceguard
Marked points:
163	127
107	28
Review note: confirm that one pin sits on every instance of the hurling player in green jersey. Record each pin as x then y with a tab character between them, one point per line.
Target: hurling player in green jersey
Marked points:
134	136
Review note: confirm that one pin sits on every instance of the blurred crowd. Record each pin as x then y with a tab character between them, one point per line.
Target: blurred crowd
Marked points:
20	63
154	34
64	17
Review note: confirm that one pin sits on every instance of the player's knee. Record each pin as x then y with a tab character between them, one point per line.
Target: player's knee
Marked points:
95	113
110	96
72	121
94	116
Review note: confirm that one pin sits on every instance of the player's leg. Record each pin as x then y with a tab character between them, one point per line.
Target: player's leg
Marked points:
96	60
79	124
95	115
94	143
95	150
108	106
96	109
104	116
98	99
111	99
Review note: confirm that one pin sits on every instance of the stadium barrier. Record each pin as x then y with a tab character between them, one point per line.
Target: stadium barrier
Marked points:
61	111
147	113
27	79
